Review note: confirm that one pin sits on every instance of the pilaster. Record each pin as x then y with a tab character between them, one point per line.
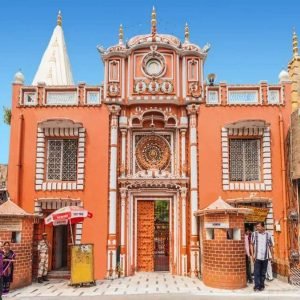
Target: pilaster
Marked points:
194	240
112	239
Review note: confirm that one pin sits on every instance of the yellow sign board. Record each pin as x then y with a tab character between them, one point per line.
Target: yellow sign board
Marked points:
82	264
259	214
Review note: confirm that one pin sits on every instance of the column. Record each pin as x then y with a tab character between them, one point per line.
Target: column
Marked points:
183	154
112	218
123	192
194	241
183	191
123	153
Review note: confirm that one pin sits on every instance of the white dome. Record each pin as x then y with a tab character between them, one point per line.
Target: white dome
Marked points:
283	76
19	78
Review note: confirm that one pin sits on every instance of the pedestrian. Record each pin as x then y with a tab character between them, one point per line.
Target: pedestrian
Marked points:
248	255
1	270
262	252
8	267
43	249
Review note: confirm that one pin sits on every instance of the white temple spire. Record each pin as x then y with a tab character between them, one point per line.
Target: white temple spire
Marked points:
55	68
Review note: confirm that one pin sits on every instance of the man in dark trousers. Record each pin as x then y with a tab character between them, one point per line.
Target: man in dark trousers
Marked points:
261	251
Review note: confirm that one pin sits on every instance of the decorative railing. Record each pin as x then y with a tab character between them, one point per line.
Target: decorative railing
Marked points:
62	98
93	97
212	97
242	97
273	97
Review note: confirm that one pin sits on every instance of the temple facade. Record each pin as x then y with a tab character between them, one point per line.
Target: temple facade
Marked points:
146	151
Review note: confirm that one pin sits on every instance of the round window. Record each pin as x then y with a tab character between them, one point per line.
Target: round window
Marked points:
154	67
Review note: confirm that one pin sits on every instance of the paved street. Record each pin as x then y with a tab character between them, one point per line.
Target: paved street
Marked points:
151	286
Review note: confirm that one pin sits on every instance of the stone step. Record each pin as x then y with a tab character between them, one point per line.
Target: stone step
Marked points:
58	274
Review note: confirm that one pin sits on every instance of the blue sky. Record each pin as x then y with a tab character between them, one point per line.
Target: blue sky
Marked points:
250	40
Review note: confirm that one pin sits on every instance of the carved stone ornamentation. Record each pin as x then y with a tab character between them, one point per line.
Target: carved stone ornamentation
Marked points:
154	64
113	89
153	87
153	152
167	87
140	86
194	89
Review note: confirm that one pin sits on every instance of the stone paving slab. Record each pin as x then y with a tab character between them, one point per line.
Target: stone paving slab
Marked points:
143	283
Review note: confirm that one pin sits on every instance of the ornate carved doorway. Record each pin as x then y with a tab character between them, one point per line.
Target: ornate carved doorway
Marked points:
161	236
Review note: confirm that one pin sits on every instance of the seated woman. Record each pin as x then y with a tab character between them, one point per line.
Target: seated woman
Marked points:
8	267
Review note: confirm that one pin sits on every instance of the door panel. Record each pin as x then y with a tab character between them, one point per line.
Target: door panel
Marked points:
161	236
145	236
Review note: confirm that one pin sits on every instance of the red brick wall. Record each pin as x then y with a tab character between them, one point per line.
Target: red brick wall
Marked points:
224	260
23	251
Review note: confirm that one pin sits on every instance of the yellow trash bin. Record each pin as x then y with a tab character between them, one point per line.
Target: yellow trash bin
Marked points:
82	264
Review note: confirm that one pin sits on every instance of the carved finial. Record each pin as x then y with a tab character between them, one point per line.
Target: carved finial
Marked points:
186	33
121	34
153	22
59	18
295	43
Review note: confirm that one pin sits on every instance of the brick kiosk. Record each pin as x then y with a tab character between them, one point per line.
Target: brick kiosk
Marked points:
223	246
16	227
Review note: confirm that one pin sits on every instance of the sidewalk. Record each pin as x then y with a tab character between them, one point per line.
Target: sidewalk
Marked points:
146	283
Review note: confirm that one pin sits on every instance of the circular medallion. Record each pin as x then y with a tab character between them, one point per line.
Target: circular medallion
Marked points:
153	87
154	64
167	87
140	86
153	152
113	89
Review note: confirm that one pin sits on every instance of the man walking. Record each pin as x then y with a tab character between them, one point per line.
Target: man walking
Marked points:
261	251
43	248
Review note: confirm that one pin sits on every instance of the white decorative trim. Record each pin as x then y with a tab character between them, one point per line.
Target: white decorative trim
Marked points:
266	168
40	179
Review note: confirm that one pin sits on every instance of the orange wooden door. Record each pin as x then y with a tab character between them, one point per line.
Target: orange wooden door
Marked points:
145	236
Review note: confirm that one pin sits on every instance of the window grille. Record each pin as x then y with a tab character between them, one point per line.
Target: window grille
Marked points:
212	97
244	159
62	160
273	97
30	98
93	98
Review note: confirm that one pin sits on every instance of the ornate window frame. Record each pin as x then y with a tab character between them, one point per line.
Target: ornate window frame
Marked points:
53	129
266	169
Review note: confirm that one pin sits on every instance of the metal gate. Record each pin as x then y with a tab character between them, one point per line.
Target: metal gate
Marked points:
161	236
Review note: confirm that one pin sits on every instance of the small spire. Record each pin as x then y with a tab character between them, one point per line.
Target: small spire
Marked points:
153	22
295	43
121	34
59	18
186	33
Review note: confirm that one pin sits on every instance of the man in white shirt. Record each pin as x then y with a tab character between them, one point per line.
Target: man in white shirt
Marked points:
262	252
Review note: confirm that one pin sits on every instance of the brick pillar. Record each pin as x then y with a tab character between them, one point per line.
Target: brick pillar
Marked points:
224	263
22	247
